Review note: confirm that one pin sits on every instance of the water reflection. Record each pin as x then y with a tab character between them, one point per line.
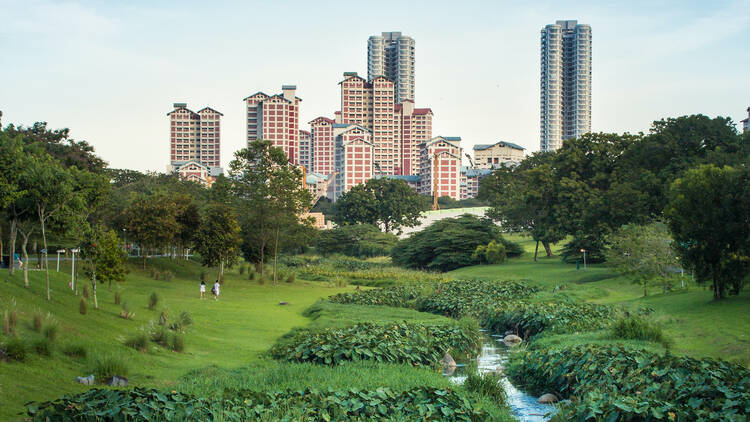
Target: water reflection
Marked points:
493	357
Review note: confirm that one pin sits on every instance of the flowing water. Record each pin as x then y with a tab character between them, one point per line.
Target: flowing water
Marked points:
493	357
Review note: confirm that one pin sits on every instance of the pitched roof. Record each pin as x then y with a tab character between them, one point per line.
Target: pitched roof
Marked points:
209	108
450	139
304	131
423	111
352	75
182	108
482	147
472	172
259	92
331	121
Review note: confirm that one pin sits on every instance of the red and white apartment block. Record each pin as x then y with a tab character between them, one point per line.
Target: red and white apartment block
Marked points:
413	127
354	157
441	154
371	105
324	156
195	140
275	118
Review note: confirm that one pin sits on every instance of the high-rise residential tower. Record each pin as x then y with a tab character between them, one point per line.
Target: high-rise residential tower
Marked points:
195	136
565	83
392	55
275	118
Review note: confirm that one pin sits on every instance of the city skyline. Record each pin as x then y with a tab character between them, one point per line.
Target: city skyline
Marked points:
481	77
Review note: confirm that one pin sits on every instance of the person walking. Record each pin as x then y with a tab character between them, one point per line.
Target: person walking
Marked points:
215	290
203	289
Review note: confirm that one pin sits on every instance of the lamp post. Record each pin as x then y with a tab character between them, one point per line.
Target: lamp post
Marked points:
59	251
125	241
584	259
73	268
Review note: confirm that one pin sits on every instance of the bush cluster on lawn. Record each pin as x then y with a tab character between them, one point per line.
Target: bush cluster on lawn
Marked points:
360	240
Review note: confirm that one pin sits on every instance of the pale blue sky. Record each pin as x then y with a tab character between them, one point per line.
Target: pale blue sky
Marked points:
111	70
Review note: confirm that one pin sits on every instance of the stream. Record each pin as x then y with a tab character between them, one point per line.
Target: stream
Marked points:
492	358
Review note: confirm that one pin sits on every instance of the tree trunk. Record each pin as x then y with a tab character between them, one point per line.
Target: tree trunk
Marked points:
25	259
536	250
93	287
44	255
13	233
1	244
275	254
547	248
35	247
717	291
221	270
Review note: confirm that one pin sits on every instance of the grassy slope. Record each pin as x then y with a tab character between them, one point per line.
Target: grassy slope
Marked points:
228	333
697	325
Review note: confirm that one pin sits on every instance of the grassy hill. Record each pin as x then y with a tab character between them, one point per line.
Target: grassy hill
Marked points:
228	333
697	325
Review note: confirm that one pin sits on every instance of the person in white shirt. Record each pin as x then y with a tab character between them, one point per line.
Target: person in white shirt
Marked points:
215	290
203	289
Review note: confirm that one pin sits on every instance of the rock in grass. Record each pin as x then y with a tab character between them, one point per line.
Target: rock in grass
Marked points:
89	380
512	340
448	361
283	303
117	381
547	399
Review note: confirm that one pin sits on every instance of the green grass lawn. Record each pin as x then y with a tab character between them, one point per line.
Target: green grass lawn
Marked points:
697	325
228	333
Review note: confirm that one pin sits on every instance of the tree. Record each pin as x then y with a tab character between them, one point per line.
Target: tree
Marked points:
643	252
12	164
50	189
523	199
152	222
389	203
105	258
272	196
218	237
360	240
709	219
449	244
188	218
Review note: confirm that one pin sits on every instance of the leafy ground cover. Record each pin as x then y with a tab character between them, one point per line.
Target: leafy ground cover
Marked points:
410	343
240	405
611	382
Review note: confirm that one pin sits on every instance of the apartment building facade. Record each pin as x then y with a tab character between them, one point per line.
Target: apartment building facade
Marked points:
306	150
470	179
746	122
355	154
194	137
275	118
565	101
440	168
324	151
370	104
391	55
413	127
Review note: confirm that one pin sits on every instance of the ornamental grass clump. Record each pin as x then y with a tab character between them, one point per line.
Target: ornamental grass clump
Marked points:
636	328
42	347
109	366
138	342
74	350
82	308
153	300
13	321
36	322
6	324
177	343
487	385
16	348
50	331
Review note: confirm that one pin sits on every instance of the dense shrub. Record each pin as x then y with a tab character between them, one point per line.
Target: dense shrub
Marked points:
636	328
448	244
618	383
416	344
360	240
424	404
404	296
472	297
182	322
160	336
109	366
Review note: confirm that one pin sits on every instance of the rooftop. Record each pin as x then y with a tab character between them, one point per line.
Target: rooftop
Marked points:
482	147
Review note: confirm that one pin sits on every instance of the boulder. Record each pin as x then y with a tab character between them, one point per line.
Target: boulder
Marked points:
512	340
448	361
117	381
547	399
509	332
89	380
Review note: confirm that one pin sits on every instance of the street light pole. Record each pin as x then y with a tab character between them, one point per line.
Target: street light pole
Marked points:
59	251
73	269
584	259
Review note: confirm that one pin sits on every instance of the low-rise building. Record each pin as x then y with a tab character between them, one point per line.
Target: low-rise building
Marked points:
194	171
319	220
746	122
440	167
320	185
488	156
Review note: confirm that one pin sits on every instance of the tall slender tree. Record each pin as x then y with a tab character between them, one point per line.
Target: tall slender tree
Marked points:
218	237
